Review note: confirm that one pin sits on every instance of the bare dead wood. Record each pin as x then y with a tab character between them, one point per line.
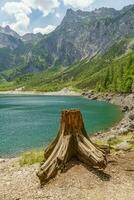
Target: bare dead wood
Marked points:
72	141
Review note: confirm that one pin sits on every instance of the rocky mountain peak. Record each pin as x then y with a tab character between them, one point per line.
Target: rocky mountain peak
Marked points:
101	12
105	12
7	30
70	12
126	8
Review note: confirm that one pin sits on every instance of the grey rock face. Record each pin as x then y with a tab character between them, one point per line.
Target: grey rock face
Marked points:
8	31
9	41
30	37
84	34
9	38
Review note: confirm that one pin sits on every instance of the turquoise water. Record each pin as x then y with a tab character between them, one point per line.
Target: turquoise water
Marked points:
28	122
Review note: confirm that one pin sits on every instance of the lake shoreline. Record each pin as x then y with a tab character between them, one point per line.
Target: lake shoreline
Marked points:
126	104
125	125
64	92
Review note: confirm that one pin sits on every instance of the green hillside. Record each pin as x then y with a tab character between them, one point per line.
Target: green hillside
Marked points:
113	72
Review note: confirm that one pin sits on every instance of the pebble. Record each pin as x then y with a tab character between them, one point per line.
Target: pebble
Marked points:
2	160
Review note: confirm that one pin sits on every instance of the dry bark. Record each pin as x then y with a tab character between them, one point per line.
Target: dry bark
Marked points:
71	142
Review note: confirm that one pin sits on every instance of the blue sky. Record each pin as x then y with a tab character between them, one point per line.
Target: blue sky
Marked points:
44	15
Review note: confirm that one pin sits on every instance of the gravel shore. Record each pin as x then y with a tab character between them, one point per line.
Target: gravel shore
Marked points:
78	183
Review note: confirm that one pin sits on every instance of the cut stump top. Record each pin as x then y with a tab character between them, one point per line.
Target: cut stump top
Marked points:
71	121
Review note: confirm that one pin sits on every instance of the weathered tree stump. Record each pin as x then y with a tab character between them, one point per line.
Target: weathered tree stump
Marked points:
71	142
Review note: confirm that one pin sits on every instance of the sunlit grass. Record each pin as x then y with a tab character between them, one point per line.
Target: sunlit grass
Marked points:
31	157
101	142
114	141
132	145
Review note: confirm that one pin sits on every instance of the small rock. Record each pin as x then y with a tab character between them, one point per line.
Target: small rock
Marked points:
84	94
131	116
91	92
113	171
132	107
124	146
94	98
131	140
89	96
123	130
125	109
131	126
2	160
111	137
109	98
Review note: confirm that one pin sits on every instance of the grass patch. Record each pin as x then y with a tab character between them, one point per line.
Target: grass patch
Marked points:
101	142
31	157
114	141
132	145
127	136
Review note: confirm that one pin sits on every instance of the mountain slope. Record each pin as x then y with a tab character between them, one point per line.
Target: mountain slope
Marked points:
113	71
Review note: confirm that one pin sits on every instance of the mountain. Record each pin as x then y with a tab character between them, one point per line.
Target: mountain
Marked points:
9	41
85	34
8	31
31	37
80	35
85	47
16	50
9	38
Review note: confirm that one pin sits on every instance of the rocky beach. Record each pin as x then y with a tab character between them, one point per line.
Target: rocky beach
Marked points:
126	104
115	183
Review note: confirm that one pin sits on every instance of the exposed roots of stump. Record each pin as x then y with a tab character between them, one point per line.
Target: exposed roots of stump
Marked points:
72	141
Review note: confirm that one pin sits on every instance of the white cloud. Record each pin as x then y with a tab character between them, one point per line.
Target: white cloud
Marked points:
78	3
46	6
44	30
21	12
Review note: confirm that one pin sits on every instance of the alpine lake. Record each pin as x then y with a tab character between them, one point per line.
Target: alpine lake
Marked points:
30	122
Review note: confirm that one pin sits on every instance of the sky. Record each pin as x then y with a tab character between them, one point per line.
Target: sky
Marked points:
43	16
